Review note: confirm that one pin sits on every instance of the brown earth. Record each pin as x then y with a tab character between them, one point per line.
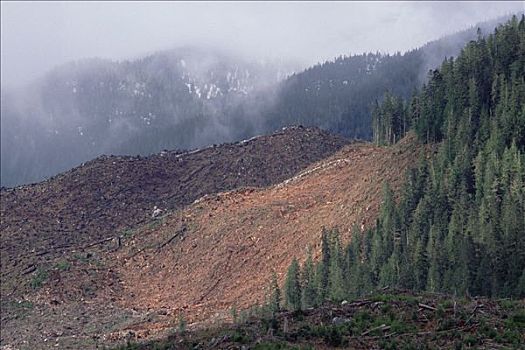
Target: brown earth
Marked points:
220	251
106	196
199	260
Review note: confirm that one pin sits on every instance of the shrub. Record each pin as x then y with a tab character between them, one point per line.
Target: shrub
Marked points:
39	278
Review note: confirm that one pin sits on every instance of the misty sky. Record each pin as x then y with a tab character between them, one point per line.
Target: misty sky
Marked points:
39	35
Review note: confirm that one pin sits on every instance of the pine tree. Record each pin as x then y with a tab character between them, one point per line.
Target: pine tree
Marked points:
292	286
336	282
420	266
520	288
388	221
353	262
436	261
275	294
309	287
324	266
460	223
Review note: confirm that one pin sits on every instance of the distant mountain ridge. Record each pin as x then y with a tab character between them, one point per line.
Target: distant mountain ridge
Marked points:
339	95
121	247
184	98
190	98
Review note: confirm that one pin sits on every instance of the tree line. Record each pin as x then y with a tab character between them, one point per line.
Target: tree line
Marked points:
459	225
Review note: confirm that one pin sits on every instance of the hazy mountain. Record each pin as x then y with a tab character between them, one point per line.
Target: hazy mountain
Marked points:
190	98
183	98
120	248
339	95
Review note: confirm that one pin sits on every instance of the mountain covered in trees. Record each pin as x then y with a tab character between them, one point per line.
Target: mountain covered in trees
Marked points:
459	224
190	98
339	95
180	99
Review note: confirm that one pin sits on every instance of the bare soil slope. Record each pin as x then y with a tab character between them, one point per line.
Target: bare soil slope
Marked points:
110	194
81	291
221	250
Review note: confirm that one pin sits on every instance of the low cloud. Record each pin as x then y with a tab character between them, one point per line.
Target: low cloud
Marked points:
37	36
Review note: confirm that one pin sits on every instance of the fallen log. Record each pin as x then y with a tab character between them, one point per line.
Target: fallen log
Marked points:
428	307
383	327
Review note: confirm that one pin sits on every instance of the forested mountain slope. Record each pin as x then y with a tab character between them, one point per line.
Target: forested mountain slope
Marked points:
460	224
339	95
438	205
191	97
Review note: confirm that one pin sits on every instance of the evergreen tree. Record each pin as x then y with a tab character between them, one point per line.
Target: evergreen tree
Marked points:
520	288
324	266
336	282
353	262
275	294
292	286
309	287
420	266
460	223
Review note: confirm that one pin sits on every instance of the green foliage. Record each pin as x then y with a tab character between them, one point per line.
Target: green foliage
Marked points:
275	295
309	286
39	278
271	345
460	227
128	233
23	304
181	327
460	223
336	283
234	314
324	267
128	346
516	321
240	336
20	308
63	265
292	286
392	320
333	337
390	120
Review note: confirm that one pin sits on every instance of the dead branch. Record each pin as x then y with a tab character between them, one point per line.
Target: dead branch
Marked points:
383	327
177	234
29	269
428	307
478	306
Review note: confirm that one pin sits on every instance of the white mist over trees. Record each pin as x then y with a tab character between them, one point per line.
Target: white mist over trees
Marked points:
37	36
180	99
195	95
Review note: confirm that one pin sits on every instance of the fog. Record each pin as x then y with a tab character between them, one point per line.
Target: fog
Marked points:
81	79
37	36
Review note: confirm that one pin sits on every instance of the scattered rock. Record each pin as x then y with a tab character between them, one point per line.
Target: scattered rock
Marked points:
340	320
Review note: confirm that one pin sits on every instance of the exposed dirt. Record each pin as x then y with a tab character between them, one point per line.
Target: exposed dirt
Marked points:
106	196
60	254
221	250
